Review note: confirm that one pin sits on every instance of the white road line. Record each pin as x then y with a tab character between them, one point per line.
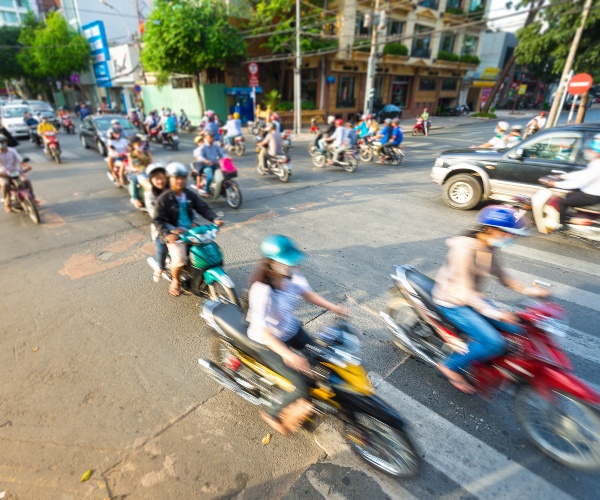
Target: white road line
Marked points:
565	292
582	344
468	461
416	143
36	158
70	155
554	259
441	148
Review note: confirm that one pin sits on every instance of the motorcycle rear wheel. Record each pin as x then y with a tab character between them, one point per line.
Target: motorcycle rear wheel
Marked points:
350	164
557	430
233	195
222	293
31	210
283	174
395	159
383	447
366	154
404	315
239	149
319	160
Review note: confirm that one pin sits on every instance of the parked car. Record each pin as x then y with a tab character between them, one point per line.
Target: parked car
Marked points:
388	111
469	176
12	119
42	108
93	131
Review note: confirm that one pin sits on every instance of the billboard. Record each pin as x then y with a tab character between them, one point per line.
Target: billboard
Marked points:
95	34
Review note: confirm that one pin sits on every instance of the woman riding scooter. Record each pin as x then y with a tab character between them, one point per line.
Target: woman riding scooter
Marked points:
276	288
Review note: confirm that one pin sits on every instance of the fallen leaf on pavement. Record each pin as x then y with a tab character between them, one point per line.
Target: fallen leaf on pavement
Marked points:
86	475
35	349
266	440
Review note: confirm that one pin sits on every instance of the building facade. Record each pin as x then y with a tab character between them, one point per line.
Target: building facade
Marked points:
13	11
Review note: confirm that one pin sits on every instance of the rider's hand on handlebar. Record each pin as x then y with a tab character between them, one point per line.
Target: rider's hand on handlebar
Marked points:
298	363
538	292
172	238
340	310
508	317
218	222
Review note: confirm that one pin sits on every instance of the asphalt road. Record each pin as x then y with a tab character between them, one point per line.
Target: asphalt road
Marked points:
99	364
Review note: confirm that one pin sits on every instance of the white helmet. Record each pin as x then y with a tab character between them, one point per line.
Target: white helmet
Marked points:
155	167
177	169
504	126
330	119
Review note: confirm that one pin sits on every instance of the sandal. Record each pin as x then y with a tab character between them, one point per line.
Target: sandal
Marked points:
457	380
274	423
157	275
174	289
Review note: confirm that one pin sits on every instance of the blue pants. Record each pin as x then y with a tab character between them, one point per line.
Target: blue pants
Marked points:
209	171
161	253
133	184
486	342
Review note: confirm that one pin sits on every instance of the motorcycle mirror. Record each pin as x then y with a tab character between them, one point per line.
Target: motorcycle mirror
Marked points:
25	160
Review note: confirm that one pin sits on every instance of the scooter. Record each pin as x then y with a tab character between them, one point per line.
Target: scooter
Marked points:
21	199
203	275
52	146
339	386
421	127
279	166
287	140
35	137
222	184
582	222
68	124
348	159
171	141
559	413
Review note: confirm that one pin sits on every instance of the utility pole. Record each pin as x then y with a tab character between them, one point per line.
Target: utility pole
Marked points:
372	64
555	110
297	75
138	40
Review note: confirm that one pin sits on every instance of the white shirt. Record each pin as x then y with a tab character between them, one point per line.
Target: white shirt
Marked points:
10	161
541	121
120	146
497	142
586	180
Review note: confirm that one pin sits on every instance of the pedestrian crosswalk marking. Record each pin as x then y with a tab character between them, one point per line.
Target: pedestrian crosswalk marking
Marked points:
416	143
35	157
71	156
554	259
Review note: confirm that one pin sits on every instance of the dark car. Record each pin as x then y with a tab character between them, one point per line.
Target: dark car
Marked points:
388	111
469	176
94	128
45	109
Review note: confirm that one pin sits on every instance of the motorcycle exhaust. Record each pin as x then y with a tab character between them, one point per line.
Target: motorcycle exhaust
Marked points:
219	376
399	336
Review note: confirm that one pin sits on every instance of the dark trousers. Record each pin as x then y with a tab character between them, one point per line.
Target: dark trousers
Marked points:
575	198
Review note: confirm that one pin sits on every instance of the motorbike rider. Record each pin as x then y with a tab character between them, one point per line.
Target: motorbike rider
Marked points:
336	141
540	121
585	184
384	139
11	161
320	139
138	160
184	121
233	129
168	125
212	125
498	141
271	146
362	129
275	119
32	125
175	214
395	138
459	295
515	136
426	122
118	147
150	123
209	155
44	128
83	111
276	288
157	175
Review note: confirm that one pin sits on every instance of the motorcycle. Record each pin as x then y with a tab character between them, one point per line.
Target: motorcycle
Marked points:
533	361
171	141
287	140
184	123
155	135
339	386
348	159
367	149
35	137
582	222
239	143
67	124
421	127
21	199
531	129
203	275
52	146
222	184
257	127
280	166
461	109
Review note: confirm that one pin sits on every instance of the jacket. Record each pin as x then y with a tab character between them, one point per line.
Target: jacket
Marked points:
460	280
167	211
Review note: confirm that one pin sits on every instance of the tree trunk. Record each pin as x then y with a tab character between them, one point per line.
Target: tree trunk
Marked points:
197	80
582	108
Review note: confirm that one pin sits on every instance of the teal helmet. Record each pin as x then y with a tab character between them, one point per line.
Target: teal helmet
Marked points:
281	249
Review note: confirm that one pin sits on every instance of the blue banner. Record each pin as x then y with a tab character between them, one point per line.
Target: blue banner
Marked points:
95	34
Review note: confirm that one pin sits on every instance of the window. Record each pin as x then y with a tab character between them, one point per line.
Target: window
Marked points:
23	4
556	147
476	5
449	83
7	3
400	90
427	84
469	45
378	100
430	4
454	4
182	83
395	28
345	92
421	42
361	29
447	43
10	18
309	86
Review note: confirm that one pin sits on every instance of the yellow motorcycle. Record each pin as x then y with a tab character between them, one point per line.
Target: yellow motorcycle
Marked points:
339	387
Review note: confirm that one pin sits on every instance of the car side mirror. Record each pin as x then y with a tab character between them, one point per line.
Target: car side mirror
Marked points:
518	154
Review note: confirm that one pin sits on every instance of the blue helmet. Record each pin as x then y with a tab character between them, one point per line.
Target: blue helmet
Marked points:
594	144
281	249
504	218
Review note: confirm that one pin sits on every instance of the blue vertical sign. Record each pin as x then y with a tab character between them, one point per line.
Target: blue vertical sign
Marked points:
96	35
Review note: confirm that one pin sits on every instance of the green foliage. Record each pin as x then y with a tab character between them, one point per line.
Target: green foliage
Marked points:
469	59
285	106
309	105
271	99
484	115
457	11
395	49
447	56
9	65
52	50
190	37
546	42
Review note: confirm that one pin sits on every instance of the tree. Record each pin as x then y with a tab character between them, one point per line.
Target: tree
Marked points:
550	36
9	65
190	37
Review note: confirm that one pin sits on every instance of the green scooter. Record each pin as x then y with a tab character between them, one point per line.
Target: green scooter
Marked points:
203	275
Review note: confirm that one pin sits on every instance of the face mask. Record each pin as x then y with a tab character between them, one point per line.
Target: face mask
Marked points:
502	243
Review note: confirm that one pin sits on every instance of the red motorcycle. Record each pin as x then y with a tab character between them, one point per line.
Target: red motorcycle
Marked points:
52	146
67	124
155	135
557	410
421	127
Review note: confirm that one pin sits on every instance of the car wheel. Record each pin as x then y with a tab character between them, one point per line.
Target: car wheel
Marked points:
101	148
462	191
83	142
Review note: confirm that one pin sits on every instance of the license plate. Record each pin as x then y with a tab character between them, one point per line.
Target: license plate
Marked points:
175	137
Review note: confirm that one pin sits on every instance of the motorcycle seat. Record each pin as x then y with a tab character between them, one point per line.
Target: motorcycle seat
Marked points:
232	320
590	208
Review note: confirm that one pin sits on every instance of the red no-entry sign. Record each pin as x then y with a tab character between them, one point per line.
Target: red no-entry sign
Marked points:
580	84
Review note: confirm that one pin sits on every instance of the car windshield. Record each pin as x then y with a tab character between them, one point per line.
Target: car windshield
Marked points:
14	112
44	108
103	124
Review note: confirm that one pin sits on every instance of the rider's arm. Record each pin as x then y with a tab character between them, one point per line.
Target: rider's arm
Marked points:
161	219
578	178
320	301
200	206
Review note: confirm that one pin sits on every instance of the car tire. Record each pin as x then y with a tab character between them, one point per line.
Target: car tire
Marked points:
83	142
101	148
462	192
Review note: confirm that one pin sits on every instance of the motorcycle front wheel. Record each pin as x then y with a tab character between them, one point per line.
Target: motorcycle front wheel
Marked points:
313	150
350	164
383	447
319	160
366	154
414	132
283	174
233	195
568	429
31	210
222	293
56	156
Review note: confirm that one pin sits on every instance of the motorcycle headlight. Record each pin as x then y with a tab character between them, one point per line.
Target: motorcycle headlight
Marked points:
439	162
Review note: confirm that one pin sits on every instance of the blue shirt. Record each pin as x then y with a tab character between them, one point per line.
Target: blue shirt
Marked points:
385	134
212	153
171	125
351	138
83	112
214	128
396	136
362	129
184	216
339	136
